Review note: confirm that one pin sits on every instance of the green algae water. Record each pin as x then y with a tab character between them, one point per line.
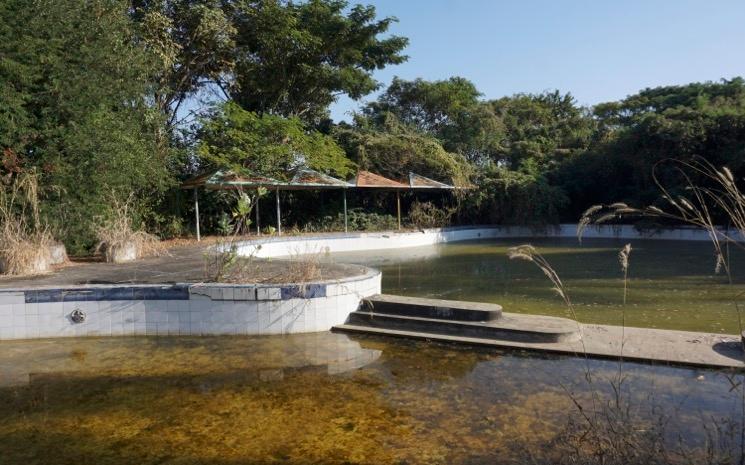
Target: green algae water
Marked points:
321	398
672	284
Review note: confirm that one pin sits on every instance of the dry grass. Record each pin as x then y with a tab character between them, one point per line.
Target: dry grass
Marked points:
427	215
24	239
223	264
116	233
697	208
619	438
305	266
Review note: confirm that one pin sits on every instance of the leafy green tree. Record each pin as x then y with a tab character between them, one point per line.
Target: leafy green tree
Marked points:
545	129
74	81
191	44
449	110
268	145
638	133
397	150
295	58
512	197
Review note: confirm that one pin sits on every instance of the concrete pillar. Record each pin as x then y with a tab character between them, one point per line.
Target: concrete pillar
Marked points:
196	213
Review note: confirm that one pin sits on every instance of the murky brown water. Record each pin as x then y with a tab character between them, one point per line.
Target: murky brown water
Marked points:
319	398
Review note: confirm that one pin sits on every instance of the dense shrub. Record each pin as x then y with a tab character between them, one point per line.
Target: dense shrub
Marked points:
357	220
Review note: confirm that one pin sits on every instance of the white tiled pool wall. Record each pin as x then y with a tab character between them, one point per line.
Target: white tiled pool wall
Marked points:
329	243
182	309
209	309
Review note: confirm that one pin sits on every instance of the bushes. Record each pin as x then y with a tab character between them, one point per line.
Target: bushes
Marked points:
117	238
427	215
513	198
357	220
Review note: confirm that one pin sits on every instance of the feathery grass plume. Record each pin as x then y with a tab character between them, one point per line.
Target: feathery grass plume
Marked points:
718	193
719	264
587	219
529	253
623	260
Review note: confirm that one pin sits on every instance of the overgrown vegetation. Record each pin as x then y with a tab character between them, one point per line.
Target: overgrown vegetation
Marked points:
357	220
428	215
164	90
119	240
24	238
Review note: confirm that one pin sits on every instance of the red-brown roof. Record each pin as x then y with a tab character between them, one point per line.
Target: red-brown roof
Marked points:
368	179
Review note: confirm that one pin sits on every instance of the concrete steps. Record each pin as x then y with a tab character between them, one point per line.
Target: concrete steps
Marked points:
432	318
431	308
486	325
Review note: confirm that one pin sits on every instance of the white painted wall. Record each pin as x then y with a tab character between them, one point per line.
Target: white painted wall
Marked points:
210	310
226	309
331	243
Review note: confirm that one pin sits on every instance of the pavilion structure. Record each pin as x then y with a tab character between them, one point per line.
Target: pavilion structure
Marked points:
306	179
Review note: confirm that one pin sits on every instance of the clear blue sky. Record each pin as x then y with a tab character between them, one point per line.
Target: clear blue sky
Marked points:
598	50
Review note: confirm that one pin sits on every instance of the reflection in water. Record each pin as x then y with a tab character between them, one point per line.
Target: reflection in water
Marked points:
672	286
23	362
315	398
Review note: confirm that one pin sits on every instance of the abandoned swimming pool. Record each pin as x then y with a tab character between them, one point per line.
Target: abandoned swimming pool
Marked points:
327	398
672	284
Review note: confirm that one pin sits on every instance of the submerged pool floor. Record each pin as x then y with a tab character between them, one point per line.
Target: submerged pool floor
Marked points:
672	283
321	398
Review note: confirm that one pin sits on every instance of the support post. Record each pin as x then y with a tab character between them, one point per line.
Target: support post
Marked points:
258	223
196	213
398	207
346	229
279	221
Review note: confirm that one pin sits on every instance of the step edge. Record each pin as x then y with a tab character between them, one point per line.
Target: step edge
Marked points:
475	324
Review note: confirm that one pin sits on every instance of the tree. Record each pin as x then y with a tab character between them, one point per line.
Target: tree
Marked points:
295	59
396	150
267	145
545	128
449	110
74	81
635	134
192	45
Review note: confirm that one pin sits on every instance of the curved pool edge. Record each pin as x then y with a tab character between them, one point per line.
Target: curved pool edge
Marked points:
182	309
31	312
283	246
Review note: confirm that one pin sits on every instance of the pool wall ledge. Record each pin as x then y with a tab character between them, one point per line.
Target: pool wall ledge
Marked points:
279	246
181	309
214	309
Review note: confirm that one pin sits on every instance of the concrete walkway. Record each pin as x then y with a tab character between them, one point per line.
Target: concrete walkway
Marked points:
640	344
184	264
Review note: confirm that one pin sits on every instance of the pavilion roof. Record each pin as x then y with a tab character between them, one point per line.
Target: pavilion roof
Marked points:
368	179
311	178
303	179
417	181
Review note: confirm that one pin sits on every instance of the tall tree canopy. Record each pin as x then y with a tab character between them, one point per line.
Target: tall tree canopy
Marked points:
449	110
635	134
542	129
394	150
295	59
192	45
74	83
269	145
